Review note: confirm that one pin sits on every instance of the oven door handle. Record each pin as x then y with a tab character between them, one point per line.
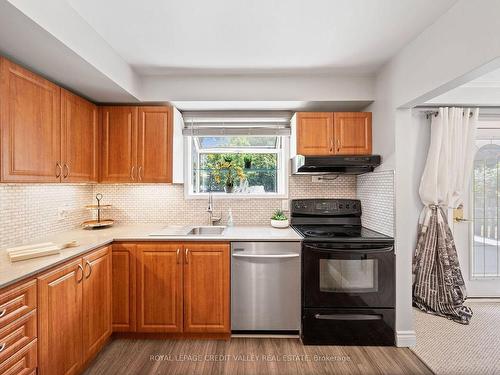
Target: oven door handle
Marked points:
344	250
348	317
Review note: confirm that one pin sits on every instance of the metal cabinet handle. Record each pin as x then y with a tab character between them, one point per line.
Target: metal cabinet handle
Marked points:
132	173
186	253
178	259
87	263
348	317
2	346
81	268
58	170
338	144
66	168
292	255
139	173
3	312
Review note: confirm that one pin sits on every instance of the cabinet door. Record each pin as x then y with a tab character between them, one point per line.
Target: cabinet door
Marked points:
119	144
96	301
353	133
60	320
124	288
315	133
155	144
159	287
78	138
30	126
206	287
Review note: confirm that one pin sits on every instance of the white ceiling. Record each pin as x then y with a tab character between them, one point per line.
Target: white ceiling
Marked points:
258	36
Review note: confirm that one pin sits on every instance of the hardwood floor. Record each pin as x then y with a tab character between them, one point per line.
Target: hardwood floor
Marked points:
250	356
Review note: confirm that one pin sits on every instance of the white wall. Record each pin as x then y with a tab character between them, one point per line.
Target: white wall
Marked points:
459	46
260	87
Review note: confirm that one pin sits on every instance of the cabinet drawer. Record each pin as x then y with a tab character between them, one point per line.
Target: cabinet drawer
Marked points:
24	362
16	335
16	302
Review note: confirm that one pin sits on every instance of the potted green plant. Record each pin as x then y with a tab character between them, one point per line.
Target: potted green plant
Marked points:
247	159
279	219
227	171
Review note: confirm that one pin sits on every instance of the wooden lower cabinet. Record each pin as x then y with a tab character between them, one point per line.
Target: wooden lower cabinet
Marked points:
124	287
159	287
23	362
183	287
74	313
206	287
60	320
96	301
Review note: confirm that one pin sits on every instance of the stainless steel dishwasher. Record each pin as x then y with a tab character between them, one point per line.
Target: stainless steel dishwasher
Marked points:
265	286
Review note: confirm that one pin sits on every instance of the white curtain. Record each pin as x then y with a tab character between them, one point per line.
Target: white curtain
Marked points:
438	285
449	160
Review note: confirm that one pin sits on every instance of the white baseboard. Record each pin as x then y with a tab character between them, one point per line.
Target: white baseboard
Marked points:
406	339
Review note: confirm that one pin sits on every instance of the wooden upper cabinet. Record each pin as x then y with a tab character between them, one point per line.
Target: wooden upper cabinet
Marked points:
30	126
79	132
154	156
118	144
96	301
60	320
314	133
124	287
334	133
353	133
206	287
159	287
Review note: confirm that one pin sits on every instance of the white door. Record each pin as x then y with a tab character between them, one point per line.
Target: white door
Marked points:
477	237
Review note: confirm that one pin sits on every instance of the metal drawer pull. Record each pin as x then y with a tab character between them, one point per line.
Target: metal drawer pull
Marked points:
90	269
348	317
186	253
3	312
266	255
80	268
2	346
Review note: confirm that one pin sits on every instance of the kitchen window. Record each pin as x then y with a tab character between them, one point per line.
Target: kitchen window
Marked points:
237	159
237	166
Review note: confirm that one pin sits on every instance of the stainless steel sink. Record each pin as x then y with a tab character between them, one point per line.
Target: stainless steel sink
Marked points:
206	231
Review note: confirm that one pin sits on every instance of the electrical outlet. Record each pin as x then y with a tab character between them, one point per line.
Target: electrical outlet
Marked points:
62	213
284	205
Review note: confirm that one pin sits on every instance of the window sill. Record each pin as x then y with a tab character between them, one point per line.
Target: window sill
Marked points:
237	196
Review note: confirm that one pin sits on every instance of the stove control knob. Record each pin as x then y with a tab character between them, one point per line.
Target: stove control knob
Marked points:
341	206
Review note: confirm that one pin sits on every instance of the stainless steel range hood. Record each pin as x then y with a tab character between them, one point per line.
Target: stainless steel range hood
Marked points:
354	164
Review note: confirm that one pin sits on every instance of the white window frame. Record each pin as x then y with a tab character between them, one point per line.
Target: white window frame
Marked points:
487	132
283	157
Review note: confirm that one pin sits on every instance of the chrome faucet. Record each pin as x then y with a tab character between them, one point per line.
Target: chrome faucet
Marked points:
211	218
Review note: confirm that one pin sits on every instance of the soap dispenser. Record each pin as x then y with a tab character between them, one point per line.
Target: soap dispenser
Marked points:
230	221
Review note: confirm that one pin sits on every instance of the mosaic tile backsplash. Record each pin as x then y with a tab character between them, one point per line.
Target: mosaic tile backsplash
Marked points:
376	192
30	211
162	203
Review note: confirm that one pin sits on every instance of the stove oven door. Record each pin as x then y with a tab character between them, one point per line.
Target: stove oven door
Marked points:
336	275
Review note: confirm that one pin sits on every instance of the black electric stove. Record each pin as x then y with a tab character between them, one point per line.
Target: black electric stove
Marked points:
348	275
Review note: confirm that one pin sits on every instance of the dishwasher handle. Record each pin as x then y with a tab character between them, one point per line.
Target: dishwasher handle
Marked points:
285	255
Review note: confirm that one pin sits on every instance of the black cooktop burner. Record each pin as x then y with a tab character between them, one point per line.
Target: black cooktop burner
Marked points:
338	232
331	233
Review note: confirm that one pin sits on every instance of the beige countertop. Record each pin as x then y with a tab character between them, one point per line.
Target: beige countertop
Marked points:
89	240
